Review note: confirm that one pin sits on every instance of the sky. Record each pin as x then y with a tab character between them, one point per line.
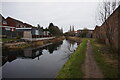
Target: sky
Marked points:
62	14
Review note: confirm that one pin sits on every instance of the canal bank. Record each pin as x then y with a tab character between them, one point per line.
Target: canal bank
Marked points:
75	39
72	68
25	44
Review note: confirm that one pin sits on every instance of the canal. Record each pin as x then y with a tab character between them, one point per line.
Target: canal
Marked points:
44	62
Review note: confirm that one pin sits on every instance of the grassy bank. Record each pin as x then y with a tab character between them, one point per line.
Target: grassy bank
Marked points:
104	61
76	39
72	68
5	40
21	45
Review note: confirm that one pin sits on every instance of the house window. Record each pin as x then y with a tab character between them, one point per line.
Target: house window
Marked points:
4	22
19	26
36	32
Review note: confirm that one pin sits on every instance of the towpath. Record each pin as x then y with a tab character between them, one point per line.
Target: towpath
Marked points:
90	67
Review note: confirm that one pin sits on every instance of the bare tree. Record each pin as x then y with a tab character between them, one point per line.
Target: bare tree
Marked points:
114	5
106	8
118	3
104	11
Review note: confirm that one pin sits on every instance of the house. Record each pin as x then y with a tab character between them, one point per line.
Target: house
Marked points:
40	31
34	32
37	32
24	32
7	31
27	25
76	34
15	23
46	32
12	28
84	33
3	22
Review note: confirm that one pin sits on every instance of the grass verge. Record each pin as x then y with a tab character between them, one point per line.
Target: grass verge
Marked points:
106	68
72	68
5	39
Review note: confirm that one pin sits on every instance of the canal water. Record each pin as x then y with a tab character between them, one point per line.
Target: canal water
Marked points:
44	62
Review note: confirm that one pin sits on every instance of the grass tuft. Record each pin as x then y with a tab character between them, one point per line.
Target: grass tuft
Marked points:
107	69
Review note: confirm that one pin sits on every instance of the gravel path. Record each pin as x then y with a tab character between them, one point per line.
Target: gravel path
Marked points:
90	68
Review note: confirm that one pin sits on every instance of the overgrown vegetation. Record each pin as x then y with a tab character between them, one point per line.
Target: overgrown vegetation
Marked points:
76	39
107	64
21	45
72	68
7	39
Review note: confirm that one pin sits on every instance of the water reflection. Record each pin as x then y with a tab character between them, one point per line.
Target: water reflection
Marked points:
28	53
71	45
44	62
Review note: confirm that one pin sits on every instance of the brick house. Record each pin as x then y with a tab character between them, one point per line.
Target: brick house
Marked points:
3	22
27	25
23	30
27	30
6	30
12	28
15	23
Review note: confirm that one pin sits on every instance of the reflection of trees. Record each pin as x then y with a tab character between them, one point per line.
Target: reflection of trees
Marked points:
36	53
71	42
71	45
9	56
54	46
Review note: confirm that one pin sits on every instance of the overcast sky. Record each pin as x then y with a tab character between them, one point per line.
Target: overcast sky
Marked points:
61	14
